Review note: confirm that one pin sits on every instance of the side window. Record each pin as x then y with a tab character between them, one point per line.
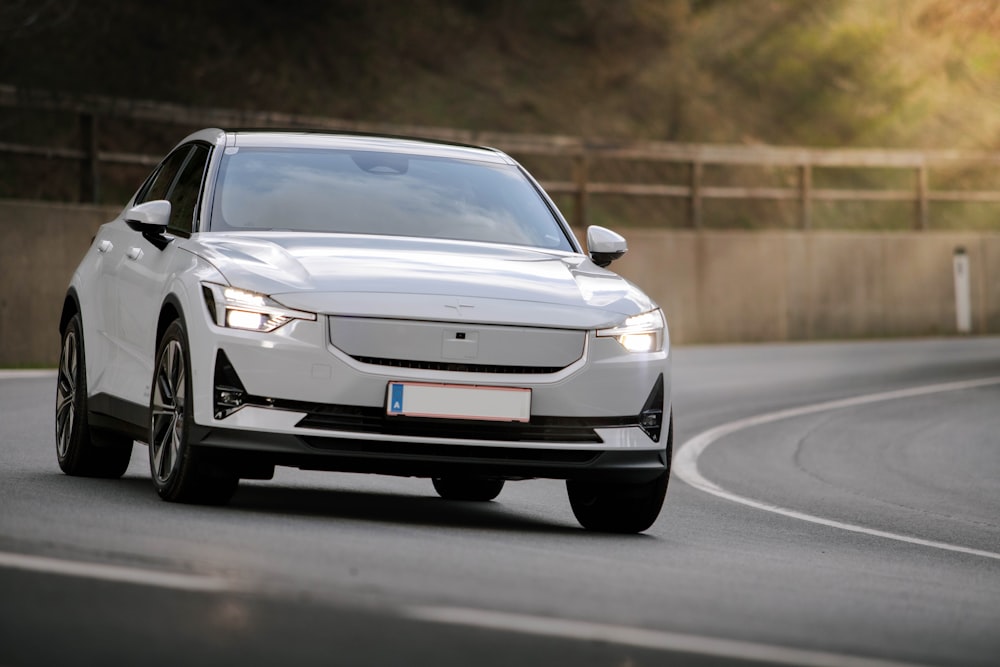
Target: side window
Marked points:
187	186
160	184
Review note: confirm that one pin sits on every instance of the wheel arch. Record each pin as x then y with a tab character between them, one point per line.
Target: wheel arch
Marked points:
71	307
170	310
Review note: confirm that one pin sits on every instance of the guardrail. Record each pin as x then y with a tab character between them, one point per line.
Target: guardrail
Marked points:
582	153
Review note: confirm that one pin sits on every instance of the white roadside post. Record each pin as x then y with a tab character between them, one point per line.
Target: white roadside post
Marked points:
963	296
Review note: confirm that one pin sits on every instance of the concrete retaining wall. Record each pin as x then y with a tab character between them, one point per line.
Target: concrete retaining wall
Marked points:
777	286
40	247
720	286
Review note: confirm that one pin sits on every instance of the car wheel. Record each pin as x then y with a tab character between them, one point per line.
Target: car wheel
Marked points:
617	507
180	471
79	453
468	488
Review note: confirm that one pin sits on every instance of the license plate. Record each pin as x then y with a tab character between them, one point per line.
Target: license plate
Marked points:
455	401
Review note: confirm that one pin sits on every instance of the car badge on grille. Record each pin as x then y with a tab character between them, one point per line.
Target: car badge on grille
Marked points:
458	306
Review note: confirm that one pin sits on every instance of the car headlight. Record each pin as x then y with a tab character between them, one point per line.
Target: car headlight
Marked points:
241	309
640	333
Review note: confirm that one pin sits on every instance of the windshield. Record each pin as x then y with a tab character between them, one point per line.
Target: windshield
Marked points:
369	192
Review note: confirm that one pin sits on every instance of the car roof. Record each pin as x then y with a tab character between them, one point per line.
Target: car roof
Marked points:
269	138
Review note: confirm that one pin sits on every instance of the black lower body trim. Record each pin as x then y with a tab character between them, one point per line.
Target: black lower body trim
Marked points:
460	452
110	413
433	460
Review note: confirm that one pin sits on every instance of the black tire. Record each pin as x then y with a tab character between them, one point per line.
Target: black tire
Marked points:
619	507
480	489
179	470
80	453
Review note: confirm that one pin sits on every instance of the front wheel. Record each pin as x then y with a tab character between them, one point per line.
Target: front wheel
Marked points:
620	507
479	489
179	470
77	451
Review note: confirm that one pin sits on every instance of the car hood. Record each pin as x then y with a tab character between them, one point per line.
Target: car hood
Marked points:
374	276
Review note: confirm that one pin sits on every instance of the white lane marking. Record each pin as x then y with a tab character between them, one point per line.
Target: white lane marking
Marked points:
26	374
128	575
641	638
685	463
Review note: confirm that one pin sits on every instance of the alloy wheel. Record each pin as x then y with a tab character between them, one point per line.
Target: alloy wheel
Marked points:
66	389
168	411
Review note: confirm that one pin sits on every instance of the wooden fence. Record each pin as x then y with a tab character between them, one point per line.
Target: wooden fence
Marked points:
583	154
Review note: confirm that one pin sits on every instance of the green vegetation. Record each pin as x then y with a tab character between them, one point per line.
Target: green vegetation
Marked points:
915	73
830	73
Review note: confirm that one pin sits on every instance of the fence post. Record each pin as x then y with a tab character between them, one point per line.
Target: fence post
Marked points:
922	213
805	196
694	204
580	192
89	175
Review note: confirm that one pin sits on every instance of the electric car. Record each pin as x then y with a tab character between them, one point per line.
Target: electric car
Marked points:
364	304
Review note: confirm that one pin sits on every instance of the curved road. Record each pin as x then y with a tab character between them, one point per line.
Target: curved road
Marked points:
831	504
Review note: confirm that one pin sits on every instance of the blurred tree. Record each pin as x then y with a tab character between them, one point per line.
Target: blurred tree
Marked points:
839	72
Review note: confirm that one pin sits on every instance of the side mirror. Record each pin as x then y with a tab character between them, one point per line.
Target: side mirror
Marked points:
604	245
151	220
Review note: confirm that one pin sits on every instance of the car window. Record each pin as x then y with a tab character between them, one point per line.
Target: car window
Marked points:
370	192
164	177
183	196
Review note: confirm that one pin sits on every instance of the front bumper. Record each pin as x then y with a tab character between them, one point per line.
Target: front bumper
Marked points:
315	407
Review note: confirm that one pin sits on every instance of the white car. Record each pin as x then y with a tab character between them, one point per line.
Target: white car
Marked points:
364	304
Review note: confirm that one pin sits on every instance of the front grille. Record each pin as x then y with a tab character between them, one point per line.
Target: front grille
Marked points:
457	367
472	347
357	419
539	429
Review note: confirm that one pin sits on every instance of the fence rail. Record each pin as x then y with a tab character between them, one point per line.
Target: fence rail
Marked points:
583	153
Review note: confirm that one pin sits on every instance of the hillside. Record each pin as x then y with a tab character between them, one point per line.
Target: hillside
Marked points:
841	72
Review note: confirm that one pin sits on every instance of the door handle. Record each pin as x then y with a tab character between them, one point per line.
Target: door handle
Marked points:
134	253
105	246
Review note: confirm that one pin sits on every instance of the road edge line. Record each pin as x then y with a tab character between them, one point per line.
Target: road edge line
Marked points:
685	462
27	374
659	640
119	573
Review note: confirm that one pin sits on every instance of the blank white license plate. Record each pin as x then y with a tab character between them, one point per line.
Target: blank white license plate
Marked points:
454	401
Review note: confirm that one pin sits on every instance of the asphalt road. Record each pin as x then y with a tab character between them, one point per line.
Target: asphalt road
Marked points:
799	528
